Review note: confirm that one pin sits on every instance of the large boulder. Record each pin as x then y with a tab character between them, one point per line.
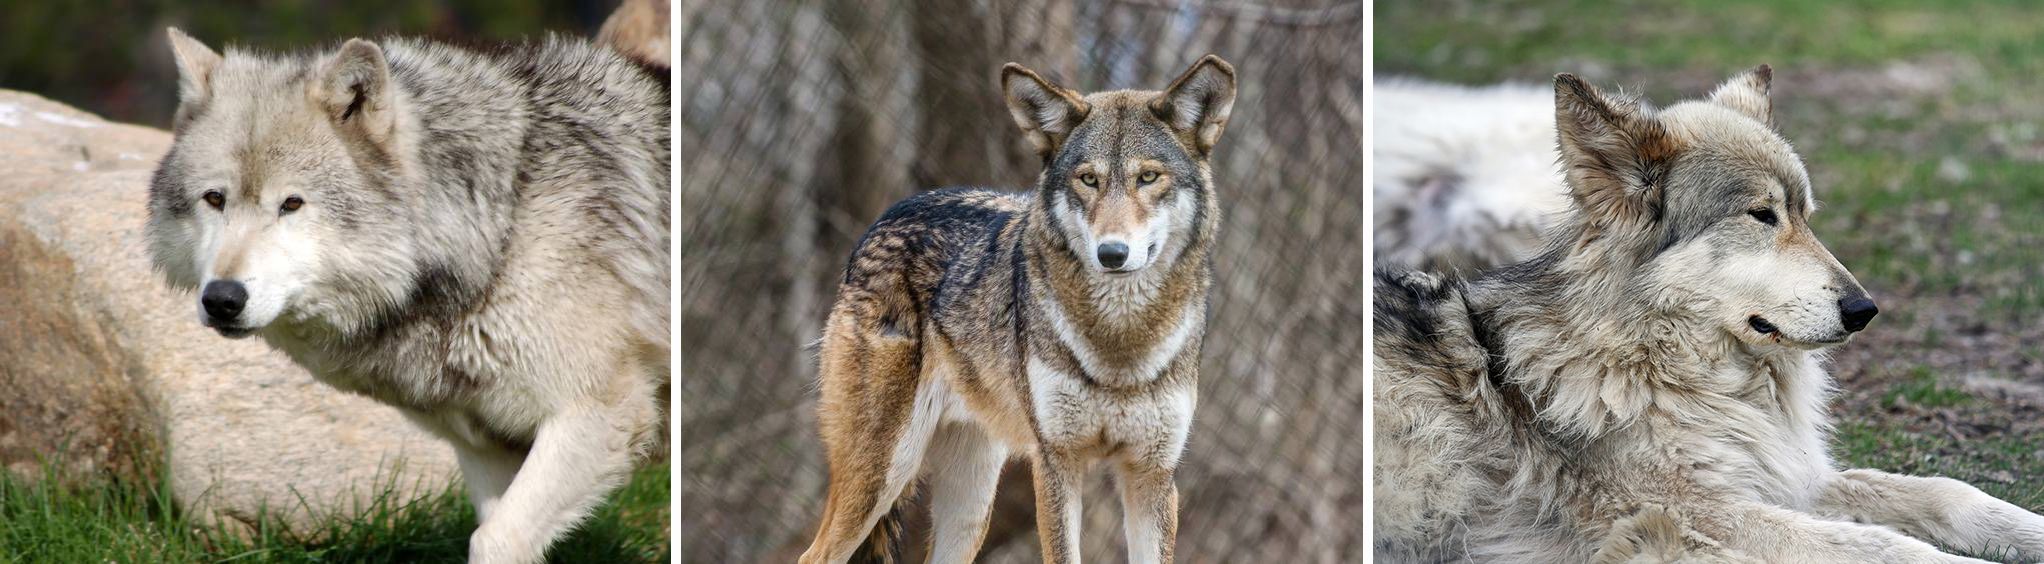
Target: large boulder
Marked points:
104	368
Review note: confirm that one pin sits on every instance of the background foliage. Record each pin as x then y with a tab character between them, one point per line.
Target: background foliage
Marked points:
111	57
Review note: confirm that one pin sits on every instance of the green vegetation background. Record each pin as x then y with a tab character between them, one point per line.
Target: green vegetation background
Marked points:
111	58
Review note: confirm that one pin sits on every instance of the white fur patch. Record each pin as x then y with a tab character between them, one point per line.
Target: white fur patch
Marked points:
928	410
1067	410
276	263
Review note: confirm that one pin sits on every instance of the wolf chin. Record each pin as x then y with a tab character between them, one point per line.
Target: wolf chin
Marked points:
1649	387
1062	324
476	238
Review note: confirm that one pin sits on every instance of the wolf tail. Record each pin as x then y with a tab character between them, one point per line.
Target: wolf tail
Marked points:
884	543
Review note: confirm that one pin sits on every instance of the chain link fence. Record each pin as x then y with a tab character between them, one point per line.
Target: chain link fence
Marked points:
802	121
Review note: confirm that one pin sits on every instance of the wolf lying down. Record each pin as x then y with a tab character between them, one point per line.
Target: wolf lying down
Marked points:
479	239
1649	387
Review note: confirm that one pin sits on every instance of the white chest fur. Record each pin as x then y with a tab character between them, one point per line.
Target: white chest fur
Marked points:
1070	412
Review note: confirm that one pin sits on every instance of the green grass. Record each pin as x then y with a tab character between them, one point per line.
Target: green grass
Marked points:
1923	390
113	519
1471	40
2007	465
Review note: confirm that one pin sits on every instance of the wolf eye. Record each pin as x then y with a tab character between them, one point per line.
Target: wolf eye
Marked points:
214	198
292	204
1089	180
1147	177
1764	215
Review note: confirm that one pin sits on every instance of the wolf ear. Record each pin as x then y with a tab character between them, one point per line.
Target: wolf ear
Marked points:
1045	111
1614	151
195	64
1197	104
1747	93
355	90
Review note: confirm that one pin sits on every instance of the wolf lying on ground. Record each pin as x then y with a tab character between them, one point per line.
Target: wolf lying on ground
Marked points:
1064	324
479	239
1649	386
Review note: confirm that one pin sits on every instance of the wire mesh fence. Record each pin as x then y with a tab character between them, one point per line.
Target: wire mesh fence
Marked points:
802	121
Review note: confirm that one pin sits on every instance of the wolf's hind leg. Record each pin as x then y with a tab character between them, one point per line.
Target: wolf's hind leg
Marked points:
877	413
1942	510
964	467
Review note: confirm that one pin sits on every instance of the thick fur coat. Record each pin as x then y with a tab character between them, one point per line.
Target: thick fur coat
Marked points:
1649	387
1063	324
479	238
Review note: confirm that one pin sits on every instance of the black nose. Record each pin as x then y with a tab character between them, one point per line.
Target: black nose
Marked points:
1112	255
1856	312
223	299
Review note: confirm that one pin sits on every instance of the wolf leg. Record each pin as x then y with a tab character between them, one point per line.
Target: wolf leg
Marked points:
1149	511
1942	510
878	411
1058	476
964	466
861	494
487	471
577	456
1776	534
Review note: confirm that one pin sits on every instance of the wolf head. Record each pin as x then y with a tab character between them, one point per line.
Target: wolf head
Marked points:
275	162
1125	177
1704	204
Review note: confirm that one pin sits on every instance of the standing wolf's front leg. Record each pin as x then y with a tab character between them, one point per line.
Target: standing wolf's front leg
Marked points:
488	471
1942	510
1149	511
1058	476
577	456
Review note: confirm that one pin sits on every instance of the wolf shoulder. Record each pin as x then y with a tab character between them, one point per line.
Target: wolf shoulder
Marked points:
1424	329
935	229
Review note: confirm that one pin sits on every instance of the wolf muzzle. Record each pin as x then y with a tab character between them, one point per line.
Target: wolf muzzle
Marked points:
1856	311
1113	254
223	300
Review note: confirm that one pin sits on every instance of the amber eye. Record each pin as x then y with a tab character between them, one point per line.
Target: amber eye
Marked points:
292	204
1089	180
1147	177
214	198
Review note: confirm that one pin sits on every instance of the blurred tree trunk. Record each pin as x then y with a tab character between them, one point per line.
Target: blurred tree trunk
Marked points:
961	57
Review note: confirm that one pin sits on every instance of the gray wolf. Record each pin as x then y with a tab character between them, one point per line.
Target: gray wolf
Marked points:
1461	178
1649	386
477	238
1062	324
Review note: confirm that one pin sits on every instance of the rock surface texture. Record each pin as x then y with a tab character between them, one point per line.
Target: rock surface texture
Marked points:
104	368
